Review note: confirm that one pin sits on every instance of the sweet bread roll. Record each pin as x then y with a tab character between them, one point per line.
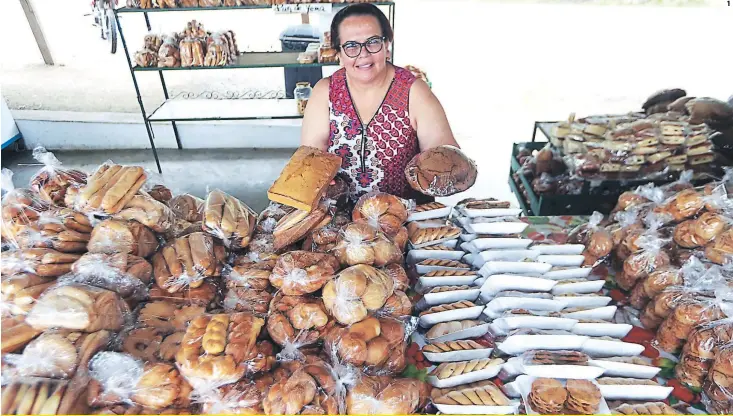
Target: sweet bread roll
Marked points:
301	272
654	284
219	349
372	343
80	307
228	219
441	171
360	243
57	354
385	395
116	236
304	179
355	292
187	261
243	299
187	207
310	389
144	209
685	204
297	320
243	397
720	250
125	274
382	211
398	275
110	188
63	230
397	305
43	262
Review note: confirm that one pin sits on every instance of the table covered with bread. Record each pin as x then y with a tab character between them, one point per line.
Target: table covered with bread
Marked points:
121	298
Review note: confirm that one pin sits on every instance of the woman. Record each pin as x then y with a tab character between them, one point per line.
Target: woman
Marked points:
375	115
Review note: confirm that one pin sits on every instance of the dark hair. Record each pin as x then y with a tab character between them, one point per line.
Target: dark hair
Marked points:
359	9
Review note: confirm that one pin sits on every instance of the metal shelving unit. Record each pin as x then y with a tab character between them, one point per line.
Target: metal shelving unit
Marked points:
210	108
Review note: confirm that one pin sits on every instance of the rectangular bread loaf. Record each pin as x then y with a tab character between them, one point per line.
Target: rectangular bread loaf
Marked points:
304	178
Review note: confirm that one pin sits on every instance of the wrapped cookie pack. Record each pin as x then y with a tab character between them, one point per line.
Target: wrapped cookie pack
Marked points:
597	240
52	181
700	350
717	386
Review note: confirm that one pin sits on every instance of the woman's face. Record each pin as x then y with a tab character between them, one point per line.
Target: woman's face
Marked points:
365	67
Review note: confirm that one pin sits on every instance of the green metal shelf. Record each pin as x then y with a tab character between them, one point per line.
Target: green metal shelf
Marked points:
250	60
258	6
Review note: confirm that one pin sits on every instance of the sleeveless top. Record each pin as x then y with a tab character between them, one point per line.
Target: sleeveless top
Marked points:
374	155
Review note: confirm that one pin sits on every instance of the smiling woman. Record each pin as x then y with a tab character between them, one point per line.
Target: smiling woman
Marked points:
374	115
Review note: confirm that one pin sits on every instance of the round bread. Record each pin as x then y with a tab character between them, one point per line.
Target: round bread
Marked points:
441	171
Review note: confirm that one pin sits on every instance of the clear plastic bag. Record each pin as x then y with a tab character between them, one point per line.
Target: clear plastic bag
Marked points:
187	207
296	321
720	250
79	307
638	266
683	205
297	224
598	240
718	387
663	278
109	189
376	345
45	396
121	379
187	261
376	395
242	397
310	387
301	272
64	230
20	292
43	262
384	212
192	52
125	274
701	349
21	208
207	295
52	181
325	239
56	354
217	51
116	236
248	289
146	58
147	211
268	218
356	292
221	349
228	219
361	243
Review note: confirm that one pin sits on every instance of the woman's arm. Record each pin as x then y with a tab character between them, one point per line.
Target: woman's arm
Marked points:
316	126
429	117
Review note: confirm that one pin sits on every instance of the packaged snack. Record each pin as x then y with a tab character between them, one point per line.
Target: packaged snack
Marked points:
384	212
360	243
52	181
116	236
356	292
187	261
110	188
700	350
385	395
717	385
228	219
125	274
297	320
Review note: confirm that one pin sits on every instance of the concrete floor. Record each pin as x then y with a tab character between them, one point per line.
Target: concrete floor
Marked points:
244	173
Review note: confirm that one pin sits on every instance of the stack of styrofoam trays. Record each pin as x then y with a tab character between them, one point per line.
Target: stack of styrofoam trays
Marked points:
521	340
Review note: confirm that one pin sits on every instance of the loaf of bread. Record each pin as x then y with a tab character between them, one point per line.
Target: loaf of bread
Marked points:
302	272
356	292
16	334
387	396
296	225
80	307
228	219
187	261
382	211
187	207
39	396
110	188
125	274
441	171
304	179
147	211
117	236
20	291
52	181
44	262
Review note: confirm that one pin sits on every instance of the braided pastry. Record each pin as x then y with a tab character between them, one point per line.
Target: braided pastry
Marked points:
442	289
430	206
447	370
449	307
453	346
426	235
484	393
444	263
437	248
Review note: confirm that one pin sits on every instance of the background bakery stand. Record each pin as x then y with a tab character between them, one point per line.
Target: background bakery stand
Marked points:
213	108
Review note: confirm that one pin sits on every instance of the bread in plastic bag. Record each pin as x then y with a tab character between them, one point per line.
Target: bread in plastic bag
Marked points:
221	349
187	207
638	266
125	274
598	240
384	212
80	307
147	211
167	316
242	397
310	388
52	180
297	224
718	385
700	351
268	218
16	333
169	55
110	188
44	262
356	292
118	378
117	236
44	396
386	395
683	205
187	261
398	275
228	219
663	304
675	329
206	295
325	239
720	250
361	243
377	345
20	207
62	229
297	320
56	354
301	272
20	292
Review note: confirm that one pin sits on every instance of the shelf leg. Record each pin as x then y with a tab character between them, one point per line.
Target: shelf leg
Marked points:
148	127
534	132
173	123
147	21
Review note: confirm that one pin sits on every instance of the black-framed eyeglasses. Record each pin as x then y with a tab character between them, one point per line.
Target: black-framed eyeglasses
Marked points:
352	49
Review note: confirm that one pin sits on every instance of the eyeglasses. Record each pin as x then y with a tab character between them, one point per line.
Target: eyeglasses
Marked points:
352	49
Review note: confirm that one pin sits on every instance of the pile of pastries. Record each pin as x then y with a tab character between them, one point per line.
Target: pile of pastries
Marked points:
170	4
119	297
194	46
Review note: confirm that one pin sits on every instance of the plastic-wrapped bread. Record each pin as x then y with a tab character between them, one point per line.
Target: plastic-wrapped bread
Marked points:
653	284
243	397
311	388
20	207
675	329
385	395
228	219
248	289
382	211
700	351
118	378
147	211
79	307
220	349
110	188
187	207
16	334
376	345
297	320
63	230
125	274
116	236
718	385
38	396
20	292
187	261
44	262
52	181
56	354
356	292
297	224
720	250
207	295
301	272
361	243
